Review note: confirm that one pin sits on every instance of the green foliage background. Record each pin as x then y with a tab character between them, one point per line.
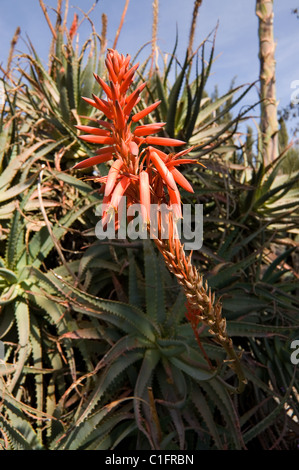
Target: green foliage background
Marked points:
99	354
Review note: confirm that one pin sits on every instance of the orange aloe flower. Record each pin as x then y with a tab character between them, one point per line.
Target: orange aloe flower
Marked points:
140	170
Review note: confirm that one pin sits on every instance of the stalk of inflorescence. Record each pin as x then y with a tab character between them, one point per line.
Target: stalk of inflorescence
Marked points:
146	175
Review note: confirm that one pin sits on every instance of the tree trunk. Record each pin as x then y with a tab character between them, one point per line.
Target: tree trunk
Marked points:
269	123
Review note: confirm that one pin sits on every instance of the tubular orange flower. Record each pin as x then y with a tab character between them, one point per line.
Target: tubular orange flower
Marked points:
162	155
183	152
163	170
148	129
145	196
74	26
96	160
120	118
109	65
145	111
106	124
133	148
182	161
106	203
98	139
97	104
175	200
132	98
119	191
94	130
181	180
112	176
104	85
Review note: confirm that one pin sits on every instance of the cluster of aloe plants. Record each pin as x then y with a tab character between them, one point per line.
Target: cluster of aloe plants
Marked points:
99	352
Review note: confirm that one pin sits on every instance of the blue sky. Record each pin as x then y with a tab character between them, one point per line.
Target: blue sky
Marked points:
236	41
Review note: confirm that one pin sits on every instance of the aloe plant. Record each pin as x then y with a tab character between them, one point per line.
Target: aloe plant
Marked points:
99	349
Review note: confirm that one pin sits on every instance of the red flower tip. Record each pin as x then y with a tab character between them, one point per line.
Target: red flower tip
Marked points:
110	68
74	26
145	196
175	202
145	111
181	180
163	170
182	161
153	172
103	85
119	191
103	106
